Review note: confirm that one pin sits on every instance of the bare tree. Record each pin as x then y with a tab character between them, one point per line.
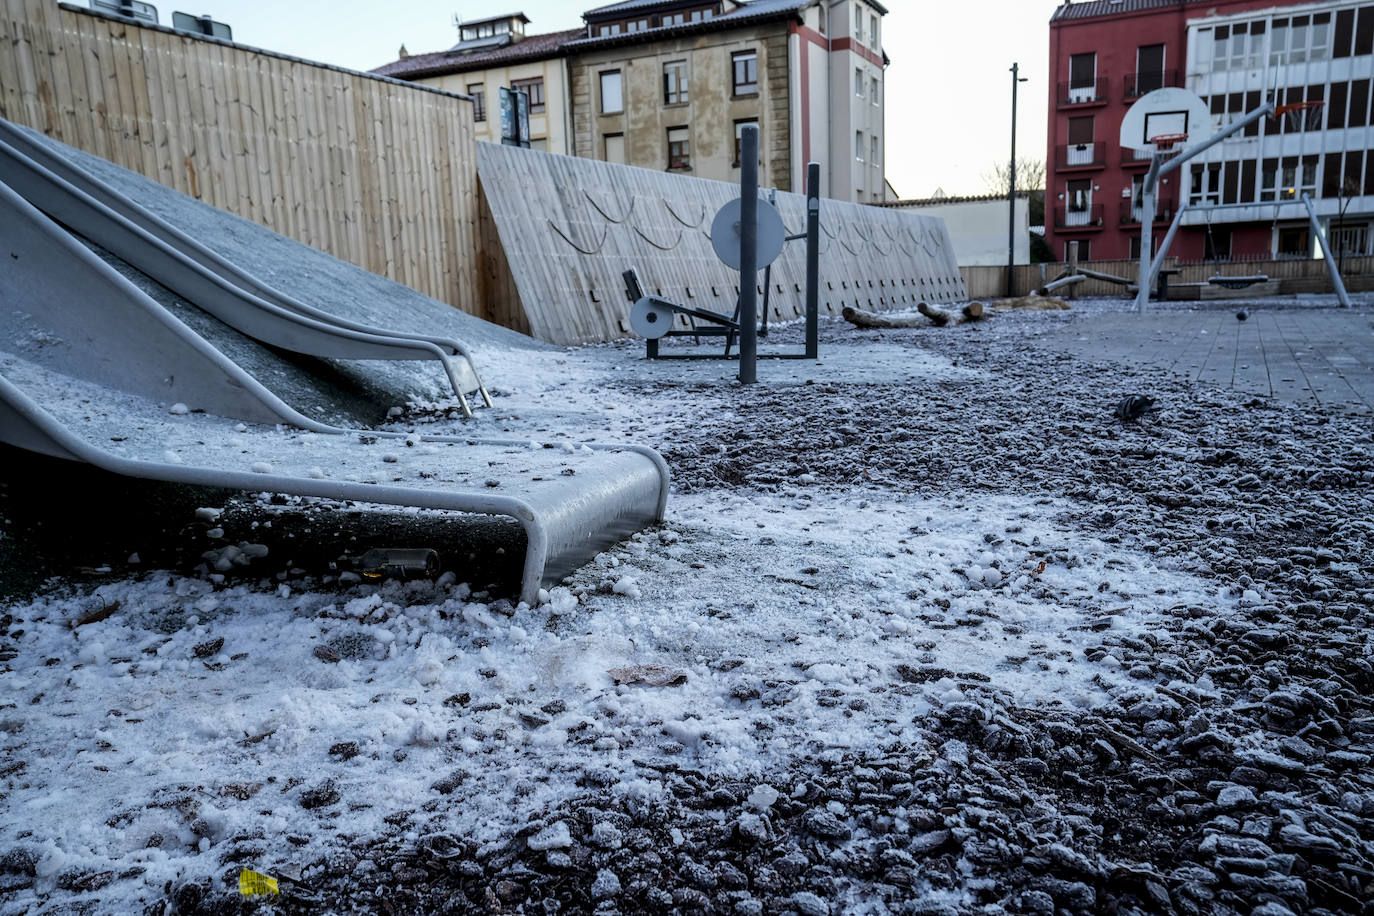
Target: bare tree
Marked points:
1030	176
1349	190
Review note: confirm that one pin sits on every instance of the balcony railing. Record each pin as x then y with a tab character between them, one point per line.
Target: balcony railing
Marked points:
1131	157
1080	156
1138	84
1088	217
1132	213
1072	93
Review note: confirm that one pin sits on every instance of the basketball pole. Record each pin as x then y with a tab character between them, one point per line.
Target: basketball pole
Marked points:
1158	169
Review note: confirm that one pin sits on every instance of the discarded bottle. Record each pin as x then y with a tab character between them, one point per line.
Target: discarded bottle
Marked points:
399	563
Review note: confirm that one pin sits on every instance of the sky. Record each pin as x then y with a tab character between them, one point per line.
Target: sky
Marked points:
948	87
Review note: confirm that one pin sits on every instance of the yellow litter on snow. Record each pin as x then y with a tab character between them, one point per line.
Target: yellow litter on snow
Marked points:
254	884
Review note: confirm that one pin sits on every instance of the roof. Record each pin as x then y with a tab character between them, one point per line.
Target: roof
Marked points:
941	201
1091	8
611	10
438	63
508	16
757	11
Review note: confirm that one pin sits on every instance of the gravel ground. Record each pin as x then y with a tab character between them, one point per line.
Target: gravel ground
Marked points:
1228	772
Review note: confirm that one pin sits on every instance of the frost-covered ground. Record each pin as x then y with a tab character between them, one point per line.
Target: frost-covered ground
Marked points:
926	630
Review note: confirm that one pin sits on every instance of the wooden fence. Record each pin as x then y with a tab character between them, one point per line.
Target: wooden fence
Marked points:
373	171
560	231
1294	276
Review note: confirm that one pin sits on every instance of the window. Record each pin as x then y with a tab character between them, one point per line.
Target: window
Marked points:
636	25
1359	104
1345	31
540	143
1080	197
874	95
746	72
1149	68
873	149
479	101
739	139
859	146
1083	71
1081	130
858	22
613	148
611	99
673	19
613	29
1082	249
1217	245
1294	242
1364	31
675	82
679	148
1349	240
1206	184
535	89
859	81
873	31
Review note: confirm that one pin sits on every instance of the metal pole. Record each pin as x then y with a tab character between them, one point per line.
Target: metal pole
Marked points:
1011	188
1331	267
748	255
813	258
1158	262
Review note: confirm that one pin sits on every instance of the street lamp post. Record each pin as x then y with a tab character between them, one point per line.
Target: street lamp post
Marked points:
1011	188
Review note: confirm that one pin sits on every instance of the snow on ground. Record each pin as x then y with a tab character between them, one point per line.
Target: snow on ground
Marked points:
194	715
162	729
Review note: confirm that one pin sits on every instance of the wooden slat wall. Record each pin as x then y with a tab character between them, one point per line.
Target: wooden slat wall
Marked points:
568	227
1295	276
375	172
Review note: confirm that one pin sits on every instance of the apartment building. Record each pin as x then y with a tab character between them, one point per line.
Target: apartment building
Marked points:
1235	54
671	84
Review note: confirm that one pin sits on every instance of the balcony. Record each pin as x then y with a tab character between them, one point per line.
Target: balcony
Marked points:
1086	217
1132	214
1138	84
1132	158
1080	156
1072	95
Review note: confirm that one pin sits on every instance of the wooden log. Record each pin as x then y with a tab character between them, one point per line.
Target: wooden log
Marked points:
866	319
1037	303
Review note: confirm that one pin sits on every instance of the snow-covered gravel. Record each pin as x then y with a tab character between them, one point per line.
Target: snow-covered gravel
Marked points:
926	630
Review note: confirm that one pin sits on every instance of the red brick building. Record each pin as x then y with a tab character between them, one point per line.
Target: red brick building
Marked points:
1105	54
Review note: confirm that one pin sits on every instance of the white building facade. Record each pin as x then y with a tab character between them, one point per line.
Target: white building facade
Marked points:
1305	53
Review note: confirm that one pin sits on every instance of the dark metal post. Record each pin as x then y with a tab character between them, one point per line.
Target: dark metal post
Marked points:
748	255
1011	188
813	258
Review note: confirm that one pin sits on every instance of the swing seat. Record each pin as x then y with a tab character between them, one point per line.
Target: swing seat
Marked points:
1237	282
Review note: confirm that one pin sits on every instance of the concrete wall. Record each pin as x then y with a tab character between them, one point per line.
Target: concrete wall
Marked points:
978	229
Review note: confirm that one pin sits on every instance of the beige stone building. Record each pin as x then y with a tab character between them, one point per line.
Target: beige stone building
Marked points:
670	85
496	52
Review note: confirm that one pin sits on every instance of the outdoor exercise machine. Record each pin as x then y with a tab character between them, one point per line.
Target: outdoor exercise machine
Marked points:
1165	118
747	234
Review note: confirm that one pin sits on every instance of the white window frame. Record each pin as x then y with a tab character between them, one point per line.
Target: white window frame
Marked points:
860	78
619	91
858	146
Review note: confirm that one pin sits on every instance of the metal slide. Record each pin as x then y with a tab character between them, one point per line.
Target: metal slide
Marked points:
94	370
149	243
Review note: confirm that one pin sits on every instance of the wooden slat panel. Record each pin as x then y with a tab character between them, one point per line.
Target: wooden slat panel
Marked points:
371	171
569	227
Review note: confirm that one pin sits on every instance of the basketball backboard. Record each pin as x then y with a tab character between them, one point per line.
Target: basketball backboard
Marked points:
1168	111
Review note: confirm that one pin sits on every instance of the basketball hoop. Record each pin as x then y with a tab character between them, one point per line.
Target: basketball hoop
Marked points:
1300	116
1165	143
